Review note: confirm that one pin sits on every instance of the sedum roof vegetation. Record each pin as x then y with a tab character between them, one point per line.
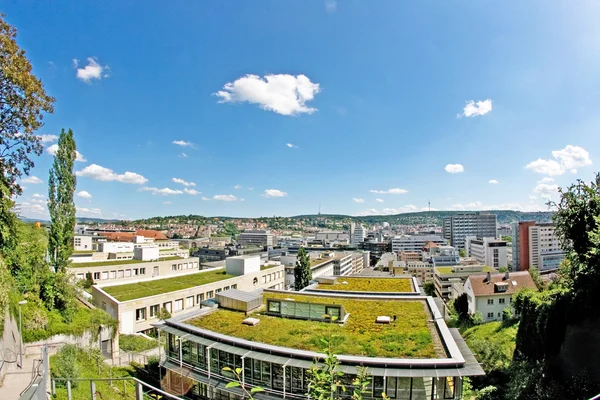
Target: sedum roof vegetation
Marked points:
119	262
139	290
401	285
410	336
448	270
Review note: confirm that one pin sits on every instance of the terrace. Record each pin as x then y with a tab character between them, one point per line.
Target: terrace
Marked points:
411	335
379	285
155	287
117	262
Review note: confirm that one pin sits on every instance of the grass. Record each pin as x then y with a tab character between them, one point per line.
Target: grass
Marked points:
408	337
89	365
118	262
448	270
136	343
369	285
138	290
318	261
263	267
493	343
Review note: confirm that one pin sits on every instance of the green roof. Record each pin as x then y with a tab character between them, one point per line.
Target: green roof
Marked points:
448	270
263	267
412	335
118	262
153	287
369	285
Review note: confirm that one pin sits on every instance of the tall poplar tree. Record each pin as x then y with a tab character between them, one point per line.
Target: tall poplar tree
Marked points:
61	187
302	272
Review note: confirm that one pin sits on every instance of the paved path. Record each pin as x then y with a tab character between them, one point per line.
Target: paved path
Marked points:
17	379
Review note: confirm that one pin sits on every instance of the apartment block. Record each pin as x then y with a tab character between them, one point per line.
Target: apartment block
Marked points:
536	245
488	251
457	227
415	243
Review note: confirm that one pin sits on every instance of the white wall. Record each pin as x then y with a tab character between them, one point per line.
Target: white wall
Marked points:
242	265
115	247
146	253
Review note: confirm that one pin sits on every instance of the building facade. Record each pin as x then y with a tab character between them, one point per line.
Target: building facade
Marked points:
358	233
415	243
262	238
536	245
488	251
457	227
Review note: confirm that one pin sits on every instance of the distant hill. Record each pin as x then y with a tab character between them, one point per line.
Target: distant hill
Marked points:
80	220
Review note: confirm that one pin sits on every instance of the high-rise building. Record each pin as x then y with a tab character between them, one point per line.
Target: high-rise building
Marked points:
457	227
357	233
488	251
536	245
256	237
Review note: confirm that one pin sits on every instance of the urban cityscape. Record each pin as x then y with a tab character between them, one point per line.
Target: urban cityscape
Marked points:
291	232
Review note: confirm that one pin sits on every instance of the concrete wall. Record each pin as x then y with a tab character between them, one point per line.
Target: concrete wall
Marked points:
9	344
242	265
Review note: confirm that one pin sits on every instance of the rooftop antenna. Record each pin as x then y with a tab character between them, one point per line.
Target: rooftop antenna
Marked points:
319	208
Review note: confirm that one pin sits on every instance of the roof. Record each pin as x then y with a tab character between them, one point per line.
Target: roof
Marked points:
156	235
430	245
128	236
516	281
369	284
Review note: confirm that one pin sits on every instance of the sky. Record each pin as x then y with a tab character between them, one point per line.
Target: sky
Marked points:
262	108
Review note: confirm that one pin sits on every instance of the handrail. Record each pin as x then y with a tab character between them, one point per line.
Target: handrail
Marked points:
35	373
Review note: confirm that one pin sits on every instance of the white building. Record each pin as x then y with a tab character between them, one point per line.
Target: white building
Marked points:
116	247
358	233
488	251
544	247
242	265
490	294
256	238
82	243
415	242
146	253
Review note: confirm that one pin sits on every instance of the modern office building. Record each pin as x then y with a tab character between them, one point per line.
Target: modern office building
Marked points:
258	333
357	233
415	243
408	256
444	277
536	245
442	256
260	238
457	227
376	250
488	251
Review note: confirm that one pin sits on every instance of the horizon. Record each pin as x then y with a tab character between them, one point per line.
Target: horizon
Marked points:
376	109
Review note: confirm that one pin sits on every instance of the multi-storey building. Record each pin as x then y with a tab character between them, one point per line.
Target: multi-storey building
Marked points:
443	277
342	263
415	243
357	233
442	256
408	256
376	250
260	238
457	227
488	251
536	245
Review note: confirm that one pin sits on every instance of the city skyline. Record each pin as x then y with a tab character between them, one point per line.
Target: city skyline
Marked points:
284	109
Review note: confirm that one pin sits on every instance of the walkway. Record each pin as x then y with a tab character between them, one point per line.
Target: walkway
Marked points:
17	380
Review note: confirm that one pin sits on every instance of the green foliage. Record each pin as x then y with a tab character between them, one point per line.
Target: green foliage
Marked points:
502	269
461	306
369	284
507	238
507	314
163	314
325	380
429	289
6	287
302	271
65	364
61	188
462	253
24	103
136	343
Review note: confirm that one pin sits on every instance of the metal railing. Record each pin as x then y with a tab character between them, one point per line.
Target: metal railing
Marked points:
140	389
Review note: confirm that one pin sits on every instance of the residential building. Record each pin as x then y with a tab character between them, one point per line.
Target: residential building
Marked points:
536	245
457	227
442	256
211	253
443	277
489	294
82	243
488	251
415	243
358	261
410	256
357	233
423	271
202	344
136	305
261	238
333	236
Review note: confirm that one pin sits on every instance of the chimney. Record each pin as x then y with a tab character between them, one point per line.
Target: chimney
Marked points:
488	277
506	276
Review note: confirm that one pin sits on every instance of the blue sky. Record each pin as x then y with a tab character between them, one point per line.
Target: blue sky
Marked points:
278	106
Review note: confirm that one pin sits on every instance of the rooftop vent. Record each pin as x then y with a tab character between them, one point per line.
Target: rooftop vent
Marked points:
383	320
251	321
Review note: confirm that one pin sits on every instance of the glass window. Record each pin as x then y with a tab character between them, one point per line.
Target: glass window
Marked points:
178	305
96	275
199	298
120	274
154	310
333	311
189	301
226	288
275	306
501	301
127	273
234	286
135	272
140	314
105	275
218	290
490	301
209	294
490	315
113	274
377	386
449	388
142	271
167	306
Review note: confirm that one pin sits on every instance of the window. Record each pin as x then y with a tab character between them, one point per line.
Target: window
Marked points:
226	288
490	315
167	306
200	298
189	301
154	310
174	267
209	294
255	281
140	314
142	271
135	272
178	305
113	274
275	306
234	286
218	290
501	301
333	311
120	274
96	276
105	275
127	273
490	302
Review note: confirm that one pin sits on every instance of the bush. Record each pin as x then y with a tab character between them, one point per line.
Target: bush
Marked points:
65	365
136	343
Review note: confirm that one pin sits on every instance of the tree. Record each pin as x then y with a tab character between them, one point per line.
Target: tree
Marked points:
429	289
23	102
302	272
61	187
462	253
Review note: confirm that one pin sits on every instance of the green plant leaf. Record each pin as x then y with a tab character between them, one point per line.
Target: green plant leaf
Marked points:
232	384
257	389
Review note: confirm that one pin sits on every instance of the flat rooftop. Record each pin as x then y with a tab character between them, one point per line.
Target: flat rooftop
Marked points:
412	335
132	291
119	262
369	284
448	270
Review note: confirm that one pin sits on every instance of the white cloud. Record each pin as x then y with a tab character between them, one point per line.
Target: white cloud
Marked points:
193	192
284	94
274	193
237	187
89	212
479	206
545	190
34	180
54	148
493	181
291	146
99	173
48	138
358	200
183	143
224	197
568	159
546	180
84	194
330	6
38	201
379	200
92	70
454	168
37	196
206	198
166	203
183	155
532	197
242	199
75	63
27	208
184	183
163	192
251	188
389	191
473	108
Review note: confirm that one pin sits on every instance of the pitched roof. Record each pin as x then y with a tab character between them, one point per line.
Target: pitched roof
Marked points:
156	235
128	236
515	282
430	245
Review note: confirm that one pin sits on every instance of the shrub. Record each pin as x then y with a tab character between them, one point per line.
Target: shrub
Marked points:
65	364
136	343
